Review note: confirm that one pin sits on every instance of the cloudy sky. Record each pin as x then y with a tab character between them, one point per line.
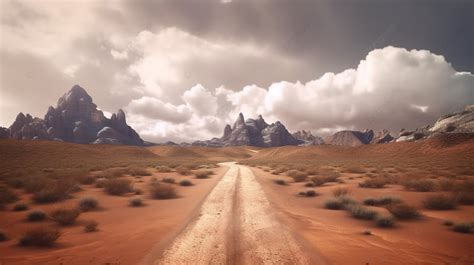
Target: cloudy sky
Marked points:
181	70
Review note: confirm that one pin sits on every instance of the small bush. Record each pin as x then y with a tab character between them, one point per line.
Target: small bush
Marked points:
297	176
100	183
185	183
137	171
381	201
90	226
333	204
40	237
308	193
422	185
385	221
203	174
65	216
403	211
463	227
35	216
448	223
20	207
55	191
88	204
185	171
136	202
341	191
86	179
374	183
118	186
361	212
447	184
439	202
3	236
367	232
309	184
355	169
163	169
280	182
169	180
465	197
7	195
162	192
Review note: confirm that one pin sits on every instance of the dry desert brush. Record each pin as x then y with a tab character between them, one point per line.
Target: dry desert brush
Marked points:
162	191
65	216
43	236
118	186
440	202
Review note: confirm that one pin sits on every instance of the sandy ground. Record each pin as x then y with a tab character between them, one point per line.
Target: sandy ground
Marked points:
126	234
339	237
237	225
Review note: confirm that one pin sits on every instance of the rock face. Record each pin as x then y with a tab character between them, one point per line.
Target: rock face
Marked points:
351	138
382	137
308	138
253	132
75	119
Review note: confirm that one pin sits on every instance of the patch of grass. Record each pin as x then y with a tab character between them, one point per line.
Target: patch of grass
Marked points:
184	171
308	193
35	216
112	173
7	195
385	221
90	226
297	176
403	211
168	180
203	174
65	216
185	183
118	186
381	201
333	204
20	207
463	227
361	212
135	202
374	183
280	182
341	191
88	204
422	185
440	202
162	192
40	237
57	190
138	171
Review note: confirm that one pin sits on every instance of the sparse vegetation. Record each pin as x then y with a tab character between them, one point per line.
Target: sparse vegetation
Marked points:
3	236
88	204
355	169
403	211
333	204
361	212
184	171
168	180
367	232
381	201
135	202
35	216
463	227
341	191
7	195
118	186
163	169
203	174
385	221
374	183
448	223
185	183
162	192
20	207
86	179
65	216
280	182
308	193
55	190
440	202
297	176
90	226
138	171
40	237
422	185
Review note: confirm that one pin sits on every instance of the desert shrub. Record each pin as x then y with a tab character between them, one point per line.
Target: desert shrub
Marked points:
135	202
422	185
447	184
463	227
137	171
88	204
318	181
7	195
448	223
40	237
20	207
347	200
169	180
465	197
55	191
385	221
162	192
403	211
374	183
355	169
137	191
297	176
203	174
3	236
333	204
185	183
65	216
367	232
90	226
112	173
361	212
280	182
33	184
163	169
35	216
100	182
381	201
308	193
312	171
341	191
118	186
279	170
182	170
86	179
440	202
309	184
332	176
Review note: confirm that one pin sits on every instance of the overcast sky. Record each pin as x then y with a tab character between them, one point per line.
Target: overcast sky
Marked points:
181	70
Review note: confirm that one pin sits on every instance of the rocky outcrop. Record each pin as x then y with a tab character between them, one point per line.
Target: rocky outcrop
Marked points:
76	119
382	137
308	138
351	138
252	132
4	133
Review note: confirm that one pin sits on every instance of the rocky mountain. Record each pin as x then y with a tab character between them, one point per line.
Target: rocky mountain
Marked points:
350	138
253	132
75	119
457	122
308	138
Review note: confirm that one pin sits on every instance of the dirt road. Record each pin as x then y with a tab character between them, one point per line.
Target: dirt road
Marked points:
236	225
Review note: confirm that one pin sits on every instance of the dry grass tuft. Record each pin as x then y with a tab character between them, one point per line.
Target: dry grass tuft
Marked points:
40	237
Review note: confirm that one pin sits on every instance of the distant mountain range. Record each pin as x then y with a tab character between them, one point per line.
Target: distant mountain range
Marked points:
77	119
